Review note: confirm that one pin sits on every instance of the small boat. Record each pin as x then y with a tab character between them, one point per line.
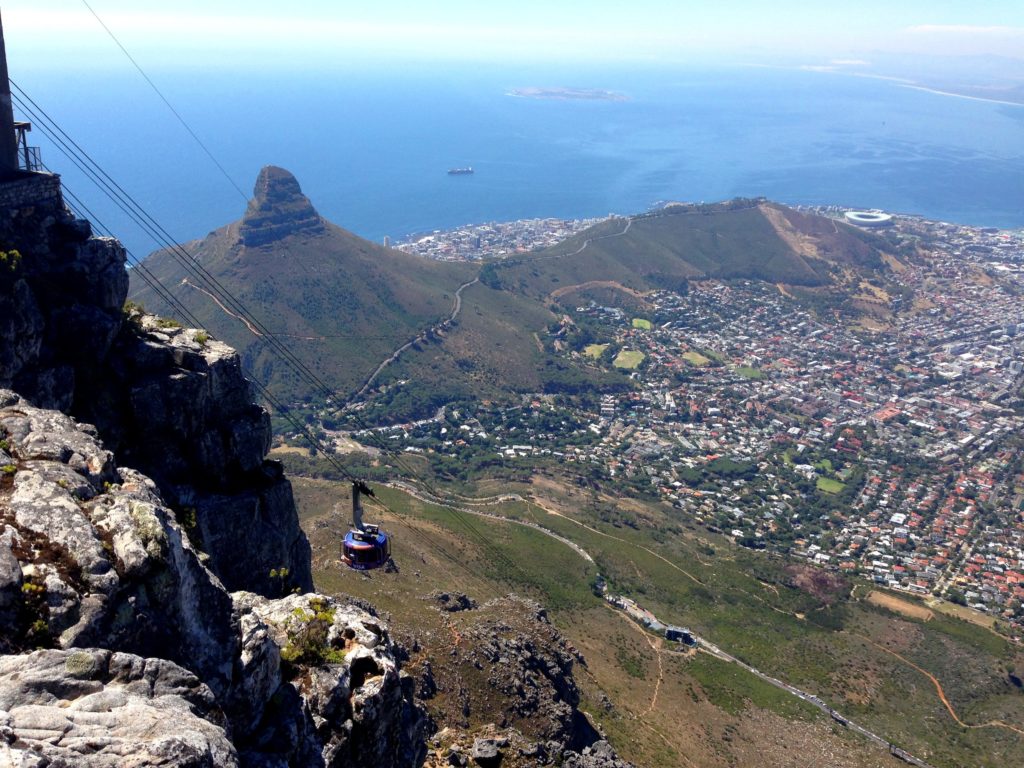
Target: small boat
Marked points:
460	171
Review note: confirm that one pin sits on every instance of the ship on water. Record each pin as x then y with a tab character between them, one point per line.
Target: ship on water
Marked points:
460	171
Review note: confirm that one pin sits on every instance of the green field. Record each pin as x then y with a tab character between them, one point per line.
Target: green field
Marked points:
748	372
595	350
828	485
629	359
639	322
712	355
695	358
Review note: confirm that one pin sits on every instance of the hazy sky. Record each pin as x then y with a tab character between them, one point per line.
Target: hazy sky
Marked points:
205	32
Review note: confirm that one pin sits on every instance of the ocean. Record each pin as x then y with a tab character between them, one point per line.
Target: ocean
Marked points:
372	148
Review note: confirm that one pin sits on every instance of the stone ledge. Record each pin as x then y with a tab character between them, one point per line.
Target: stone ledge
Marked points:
32	189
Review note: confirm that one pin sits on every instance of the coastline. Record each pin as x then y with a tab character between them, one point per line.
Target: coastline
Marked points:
936	91
902	82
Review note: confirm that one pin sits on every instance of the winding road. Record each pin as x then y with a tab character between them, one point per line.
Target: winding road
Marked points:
429	498
456	308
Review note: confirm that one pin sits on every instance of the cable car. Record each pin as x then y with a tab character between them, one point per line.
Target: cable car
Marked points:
365	546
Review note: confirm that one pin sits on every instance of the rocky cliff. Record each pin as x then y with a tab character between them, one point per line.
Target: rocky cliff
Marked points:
143	535
94	565
278	209
171	403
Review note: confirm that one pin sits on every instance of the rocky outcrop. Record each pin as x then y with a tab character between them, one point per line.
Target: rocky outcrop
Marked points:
106	710
102	560
528	663
175	403
510	668
94	564
278	209
508	748
597	755
337	663
170	402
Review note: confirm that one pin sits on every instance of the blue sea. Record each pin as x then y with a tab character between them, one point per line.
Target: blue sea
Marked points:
371	148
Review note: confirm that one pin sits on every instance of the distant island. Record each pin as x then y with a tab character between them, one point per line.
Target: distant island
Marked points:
566	94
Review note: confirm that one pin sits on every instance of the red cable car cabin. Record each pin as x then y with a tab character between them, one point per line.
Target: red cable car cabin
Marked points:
366	549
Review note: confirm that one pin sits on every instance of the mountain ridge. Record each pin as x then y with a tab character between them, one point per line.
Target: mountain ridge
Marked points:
342	302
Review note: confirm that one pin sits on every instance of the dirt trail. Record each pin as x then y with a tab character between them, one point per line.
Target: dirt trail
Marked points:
643	719
940	691
252	329
655	646
651	552
456	309
596	284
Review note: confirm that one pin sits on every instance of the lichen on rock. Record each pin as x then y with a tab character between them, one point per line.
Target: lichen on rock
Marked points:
300	680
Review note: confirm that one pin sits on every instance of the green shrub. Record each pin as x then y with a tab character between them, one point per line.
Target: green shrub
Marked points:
10	260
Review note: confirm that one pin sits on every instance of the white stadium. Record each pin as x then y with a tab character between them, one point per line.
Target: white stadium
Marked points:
868	218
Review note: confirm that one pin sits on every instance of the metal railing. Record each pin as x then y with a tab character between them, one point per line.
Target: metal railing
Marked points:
29	159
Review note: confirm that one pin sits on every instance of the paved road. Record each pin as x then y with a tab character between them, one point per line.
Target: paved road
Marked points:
457	307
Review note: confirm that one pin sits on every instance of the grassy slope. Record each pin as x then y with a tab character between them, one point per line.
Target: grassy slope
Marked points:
343	305
736	598
492	343
339	302
718	241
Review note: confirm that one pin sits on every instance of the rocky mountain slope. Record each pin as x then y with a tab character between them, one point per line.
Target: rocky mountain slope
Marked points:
121	579
170	403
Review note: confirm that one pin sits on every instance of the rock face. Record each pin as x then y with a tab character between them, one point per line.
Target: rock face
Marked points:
278	209
93	563
175	404
170	402
104	709
55	277
101	558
